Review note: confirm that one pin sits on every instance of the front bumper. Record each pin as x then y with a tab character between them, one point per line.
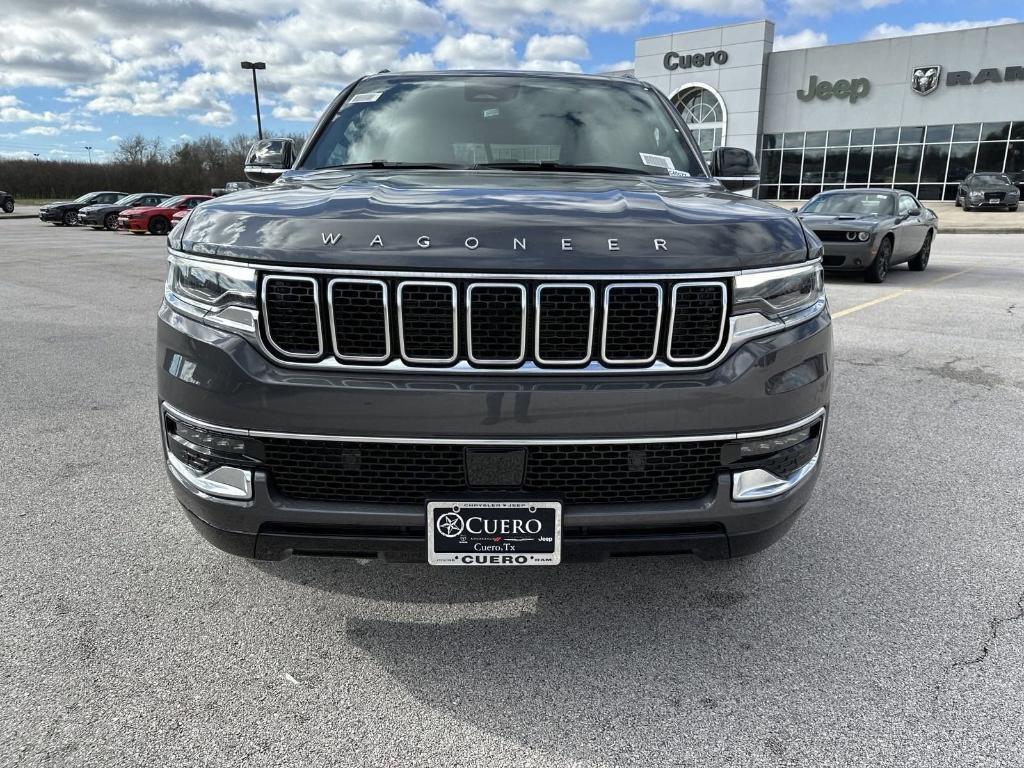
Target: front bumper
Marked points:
51	216
855	256
218	378
90	219
132	225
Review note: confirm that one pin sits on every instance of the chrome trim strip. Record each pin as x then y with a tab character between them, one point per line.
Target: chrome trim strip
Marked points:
177	414
222	482
672	321
316	305
334	329
536	325
455	323
512	276
469	324
657	327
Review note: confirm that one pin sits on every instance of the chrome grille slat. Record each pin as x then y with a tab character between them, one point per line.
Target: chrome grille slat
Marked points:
626	325
296	326
423	321
358	328
513	322
565	321
481	353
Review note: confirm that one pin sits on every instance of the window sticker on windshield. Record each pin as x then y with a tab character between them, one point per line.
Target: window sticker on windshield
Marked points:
491	112
360	98
661	161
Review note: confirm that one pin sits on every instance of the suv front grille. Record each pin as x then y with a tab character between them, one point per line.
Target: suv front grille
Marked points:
368	472
499	323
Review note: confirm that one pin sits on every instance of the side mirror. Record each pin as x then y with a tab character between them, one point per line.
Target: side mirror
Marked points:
794	210
735	168
268	159
914	212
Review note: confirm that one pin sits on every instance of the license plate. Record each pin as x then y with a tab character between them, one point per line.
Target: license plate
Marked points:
494	532
993	199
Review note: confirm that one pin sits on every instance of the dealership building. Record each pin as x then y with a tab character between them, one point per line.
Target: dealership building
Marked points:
916	113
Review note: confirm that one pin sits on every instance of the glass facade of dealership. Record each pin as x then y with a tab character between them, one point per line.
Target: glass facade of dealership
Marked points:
927	161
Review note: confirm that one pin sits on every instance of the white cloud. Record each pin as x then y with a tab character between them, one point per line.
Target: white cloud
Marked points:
930	27
551	65
554	47
474	50
577	15
615	66
805	38
826	8
720	8
113	139
81	127
41	130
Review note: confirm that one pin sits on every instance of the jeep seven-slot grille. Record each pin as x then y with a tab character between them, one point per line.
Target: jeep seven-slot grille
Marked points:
413	473
495	323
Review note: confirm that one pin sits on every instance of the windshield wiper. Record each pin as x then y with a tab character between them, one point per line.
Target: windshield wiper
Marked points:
549	165
395	164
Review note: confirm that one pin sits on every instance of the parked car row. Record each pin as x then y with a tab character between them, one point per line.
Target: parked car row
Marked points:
137	213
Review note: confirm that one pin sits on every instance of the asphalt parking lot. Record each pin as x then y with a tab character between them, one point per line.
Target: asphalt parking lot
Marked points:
885	629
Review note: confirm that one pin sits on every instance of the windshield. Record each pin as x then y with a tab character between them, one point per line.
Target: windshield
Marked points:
478	120
173	202
85	198
991	178
852	204
129	199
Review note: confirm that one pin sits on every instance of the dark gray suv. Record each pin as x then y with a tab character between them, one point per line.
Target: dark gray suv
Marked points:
492	318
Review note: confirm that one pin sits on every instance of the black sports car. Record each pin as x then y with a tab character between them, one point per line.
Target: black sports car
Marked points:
987	190
65	212
870	230
104	215
6	202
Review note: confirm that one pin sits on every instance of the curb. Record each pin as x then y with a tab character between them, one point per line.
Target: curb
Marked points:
981	231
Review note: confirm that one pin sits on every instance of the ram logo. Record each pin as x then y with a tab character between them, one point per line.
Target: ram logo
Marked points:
924	80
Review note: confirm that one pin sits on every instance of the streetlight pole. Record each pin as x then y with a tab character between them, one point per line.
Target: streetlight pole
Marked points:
89	150
254	65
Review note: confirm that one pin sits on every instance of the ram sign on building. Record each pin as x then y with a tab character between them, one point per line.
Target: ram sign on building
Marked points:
916	113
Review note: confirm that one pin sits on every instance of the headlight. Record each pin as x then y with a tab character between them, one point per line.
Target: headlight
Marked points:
216	293
863	236
777	294
976	195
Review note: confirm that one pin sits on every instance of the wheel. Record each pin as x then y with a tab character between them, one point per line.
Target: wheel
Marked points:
158	226
70	218
110	221
919	263
8	206
879	268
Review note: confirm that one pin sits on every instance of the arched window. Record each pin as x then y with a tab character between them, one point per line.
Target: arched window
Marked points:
703	112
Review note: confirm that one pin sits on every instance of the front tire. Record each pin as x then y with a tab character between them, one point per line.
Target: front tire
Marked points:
1012	208
158	226
110	221
70	218
879	268
919	263
8	206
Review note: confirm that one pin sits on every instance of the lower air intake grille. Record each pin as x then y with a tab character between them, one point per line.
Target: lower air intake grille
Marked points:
368	472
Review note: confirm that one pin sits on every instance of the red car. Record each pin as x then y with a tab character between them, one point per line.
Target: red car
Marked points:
156	219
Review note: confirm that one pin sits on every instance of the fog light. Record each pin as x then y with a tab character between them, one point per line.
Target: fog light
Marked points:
773	444
223	482
216	441
210	462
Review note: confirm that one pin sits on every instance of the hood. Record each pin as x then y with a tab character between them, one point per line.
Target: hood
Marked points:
986	187
495	220
842	221
60	204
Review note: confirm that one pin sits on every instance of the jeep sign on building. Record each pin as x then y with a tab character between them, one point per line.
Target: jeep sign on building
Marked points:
916	113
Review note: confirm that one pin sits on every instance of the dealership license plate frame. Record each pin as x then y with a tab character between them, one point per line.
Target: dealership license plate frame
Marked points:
492	558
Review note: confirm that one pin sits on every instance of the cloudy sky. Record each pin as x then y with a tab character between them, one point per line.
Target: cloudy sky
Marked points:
84	73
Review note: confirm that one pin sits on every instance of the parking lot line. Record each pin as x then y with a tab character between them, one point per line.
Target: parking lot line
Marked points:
897	294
